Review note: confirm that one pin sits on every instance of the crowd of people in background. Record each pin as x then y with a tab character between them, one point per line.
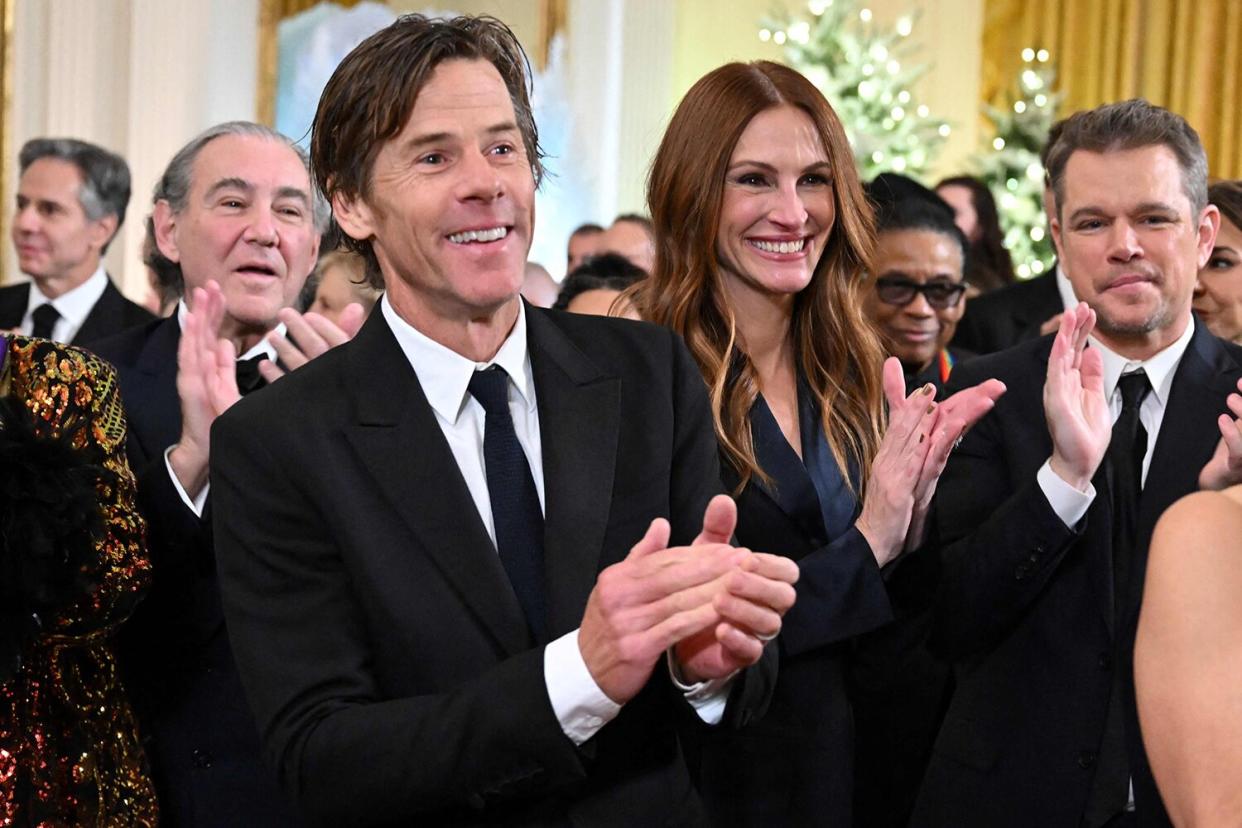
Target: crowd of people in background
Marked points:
796	507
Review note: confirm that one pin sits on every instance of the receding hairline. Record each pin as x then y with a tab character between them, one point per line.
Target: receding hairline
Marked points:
240	182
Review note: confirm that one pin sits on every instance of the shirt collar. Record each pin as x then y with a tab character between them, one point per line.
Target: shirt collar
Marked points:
445	374
261	348
1159	368
72	305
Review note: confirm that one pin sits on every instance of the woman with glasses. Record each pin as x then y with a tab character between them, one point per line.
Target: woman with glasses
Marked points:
763	242
916	298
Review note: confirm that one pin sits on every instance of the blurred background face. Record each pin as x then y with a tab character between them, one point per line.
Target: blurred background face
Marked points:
54	239
600	302
339	286
1218	292
963	204
915	330
581	245
629	239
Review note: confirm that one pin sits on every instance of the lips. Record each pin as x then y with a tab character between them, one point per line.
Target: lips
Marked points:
257	269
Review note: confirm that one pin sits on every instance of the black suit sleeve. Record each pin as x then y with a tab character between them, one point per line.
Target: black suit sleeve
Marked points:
333	737
841	594
999	544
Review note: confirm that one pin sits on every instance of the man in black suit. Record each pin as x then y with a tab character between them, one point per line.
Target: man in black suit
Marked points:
71	200
1046	517
447	579
236	221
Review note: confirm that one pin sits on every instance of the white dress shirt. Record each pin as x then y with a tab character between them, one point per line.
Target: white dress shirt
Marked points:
581	707
1069	503
72	305
196	504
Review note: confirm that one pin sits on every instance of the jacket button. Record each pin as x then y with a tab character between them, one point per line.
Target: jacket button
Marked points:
1106	661
202	759
1086	758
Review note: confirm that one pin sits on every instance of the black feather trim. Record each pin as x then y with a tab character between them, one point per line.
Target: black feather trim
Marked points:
50	524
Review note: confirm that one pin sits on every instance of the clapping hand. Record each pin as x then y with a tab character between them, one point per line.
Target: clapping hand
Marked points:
309	336
1074	402
1225	467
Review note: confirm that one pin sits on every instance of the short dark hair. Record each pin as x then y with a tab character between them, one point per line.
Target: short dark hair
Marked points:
588	227
371	94
903	204
639	219
609	271
105	175
1132	124
1054	133
1227	196
174	188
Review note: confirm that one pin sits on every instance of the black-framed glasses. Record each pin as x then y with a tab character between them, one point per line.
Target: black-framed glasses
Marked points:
901	292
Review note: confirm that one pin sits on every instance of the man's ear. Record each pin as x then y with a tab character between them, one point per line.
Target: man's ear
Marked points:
354	215
1209	226
164	220
102	230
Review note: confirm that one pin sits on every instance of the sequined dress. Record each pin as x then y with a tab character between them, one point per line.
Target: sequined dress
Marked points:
69	748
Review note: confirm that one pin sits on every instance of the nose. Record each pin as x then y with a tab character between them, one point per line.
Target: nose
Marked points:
919	307
1123	244
479	180
788	209
261	229
26	219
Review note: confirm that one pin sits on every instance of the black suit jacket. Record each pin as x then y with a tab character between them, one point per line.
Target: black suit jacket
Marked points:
794	766
1025	609
382	647
111	314
1003	318
198	730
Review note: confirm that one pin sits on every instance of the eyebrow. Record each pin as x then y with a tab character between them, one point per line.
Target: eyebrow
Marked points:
295	193
1144	207
818	165
229	184
440	137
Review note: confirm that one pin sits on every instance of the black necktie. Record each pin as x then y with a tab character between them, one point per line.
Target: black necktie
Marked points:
1124	462
1125	454
248	376
515	502
44	317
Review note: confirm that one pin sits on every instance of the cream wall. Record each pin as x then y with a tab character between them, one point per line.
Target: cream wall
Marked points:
139	77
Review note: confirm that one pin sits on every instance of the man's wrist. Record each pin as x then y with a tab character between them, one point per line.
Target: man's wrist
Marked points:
189	463
1072	477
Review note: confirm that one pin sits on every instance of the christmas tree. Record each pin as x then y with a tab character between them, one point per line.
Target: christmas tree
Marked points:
859	67
1010	164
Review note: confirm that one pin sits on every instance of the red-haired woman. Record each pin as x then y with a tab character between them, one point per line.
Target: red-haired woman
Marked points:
763	240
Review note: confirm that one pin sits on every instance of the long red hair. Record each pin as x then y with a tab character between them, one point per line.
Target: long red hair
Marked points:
836	349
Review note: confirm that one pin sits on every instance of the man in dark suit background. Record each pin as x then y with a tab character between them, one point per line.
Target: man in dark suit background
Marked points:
1026	309
236	222
1046	517
446	584
71	201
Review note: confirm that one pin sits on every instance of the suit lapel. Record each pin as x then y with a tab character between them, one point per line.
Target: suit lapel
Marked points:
153	407
1188	435
579	421
13	302
400	444
104	317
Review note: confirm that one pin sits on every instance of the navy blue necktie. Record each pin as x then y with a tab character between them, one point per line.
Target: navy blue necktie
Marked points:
44	317
515	502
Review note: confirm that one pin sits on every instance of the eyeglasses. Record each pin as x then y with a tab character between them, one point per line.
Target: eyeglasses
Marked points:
901	292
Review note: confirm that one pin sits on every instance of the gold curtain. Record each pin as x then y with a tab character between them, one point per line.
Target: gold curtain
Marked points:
1185	55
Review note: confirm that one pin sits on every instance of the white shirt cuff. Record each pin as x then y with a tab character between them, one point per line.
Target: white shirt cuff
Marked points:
708	698
1069	504
195	504
580	706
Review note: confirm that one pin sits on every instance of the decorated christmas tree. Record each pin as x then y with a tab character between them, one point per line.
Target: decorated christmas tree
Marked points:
1010	163
860	67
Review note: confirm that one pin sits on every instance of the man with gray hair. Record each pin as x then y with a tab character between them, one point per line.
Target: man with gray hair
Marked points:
1046	510
236	219
71	201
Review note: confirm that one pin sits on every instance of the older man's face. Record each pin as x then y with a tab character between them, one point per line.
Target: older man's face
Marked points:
248	224
1131	244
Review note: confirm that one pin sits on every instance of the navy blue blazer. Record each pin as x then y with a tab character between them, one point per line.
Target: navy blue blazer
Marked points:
794	766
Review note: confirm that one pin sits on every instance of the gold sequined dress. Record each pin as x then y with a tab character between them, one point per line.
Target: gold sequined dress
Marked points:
69	748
